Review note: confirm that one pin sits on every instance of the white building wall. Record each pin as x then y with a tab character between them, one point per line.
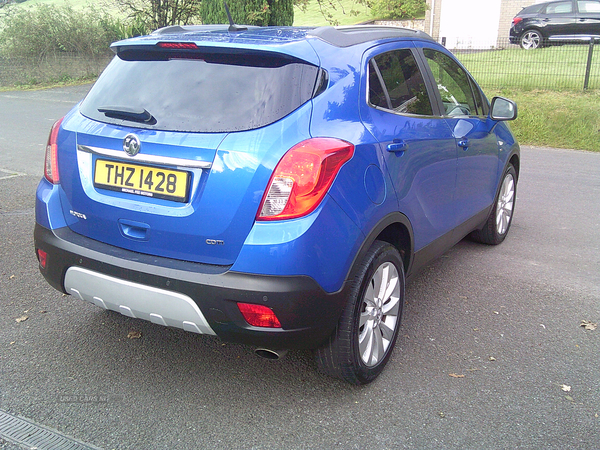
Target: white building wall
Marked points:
470	23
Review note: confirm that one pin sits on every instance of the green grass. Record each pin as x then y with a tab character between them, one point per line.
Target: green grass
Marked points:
556	119
560	67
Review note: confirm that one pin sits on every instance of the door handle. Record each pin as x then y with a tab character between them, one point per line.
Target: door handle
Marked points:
464	143
398	145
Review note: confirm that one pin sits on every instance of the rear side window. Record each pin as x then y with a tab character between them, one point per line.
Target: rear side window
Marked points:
396	83
559	8
199	92
531	9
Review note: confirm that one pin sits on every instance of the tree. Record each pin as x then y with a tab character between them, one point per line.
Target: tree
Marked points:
155	14
399	9
249	12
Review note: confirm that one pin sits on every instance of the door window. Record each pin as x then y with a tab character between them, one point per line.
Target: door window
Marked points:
588	7
455	86
396	84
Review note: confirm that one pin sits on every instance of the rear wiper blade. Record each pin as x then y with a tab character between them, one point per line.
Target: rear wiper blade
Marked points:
125	113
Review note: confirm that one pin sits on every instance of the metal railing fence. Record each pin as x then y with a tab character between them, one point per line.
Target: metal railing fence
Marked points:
15	71
557	66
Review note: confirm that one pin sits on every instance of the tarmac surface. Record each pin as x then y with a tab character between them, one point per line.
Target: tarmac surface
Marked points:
491	354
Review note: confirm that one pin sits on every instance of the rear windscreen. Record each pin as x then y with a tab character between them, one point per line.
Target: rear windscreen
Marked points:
199	92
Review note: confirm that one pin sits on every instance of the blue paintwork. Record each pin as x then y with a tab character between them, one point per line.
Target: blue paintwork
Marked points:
48	209
415	165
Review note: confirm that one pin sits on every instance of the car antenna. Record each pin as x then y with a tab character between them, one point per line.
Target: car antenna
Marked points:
232	26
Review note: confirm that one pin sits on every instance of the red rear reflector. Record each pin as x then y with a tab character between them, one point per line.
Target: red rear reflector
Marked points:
42	255
259	315
178	45
51	166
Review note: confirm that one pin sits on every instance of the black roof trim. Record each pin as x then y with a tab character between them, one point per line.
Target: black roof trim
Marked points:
359	34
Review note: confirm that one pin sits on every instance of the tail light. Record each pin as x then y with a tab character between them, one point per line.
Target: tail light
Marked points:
516	20
303	177
51	167
259	315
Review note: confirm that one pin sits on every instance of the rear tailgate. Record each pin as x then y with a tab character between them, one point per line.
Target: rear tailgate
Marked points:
209	130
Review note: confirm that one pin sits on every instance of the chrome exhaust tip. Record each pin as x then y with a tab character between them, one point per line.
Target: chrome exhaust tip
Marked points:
273	355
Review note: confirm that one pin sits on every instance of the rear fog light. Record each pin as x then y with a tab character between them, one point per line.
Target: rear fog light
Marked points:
259	315
42	255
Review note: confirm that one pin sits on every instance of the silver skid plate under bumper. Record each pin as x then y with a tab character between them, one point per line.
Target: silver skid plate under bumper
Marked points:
137	300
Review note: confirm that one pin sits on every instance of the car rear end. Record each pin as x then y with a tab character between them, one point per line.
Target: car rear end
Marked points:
523	20
167	195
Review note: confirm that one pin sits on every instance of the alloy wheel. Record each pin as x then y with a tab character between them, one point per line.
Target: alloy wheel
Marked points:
504	208
379	314
531	40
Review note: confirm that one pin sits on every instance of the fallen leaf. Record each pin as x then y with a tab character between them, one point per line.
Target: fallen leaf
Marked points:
491	358
134	335
588	325
22	318
453	375
565	388
568	397
442	415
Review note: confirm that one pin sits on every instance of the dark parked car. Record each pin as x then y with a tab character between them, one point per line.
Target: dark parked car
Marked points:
545	23
273	186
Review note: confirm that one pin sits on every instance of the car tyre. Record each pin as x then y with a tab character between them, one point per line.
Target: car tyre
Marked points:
362	343
498	223
531	39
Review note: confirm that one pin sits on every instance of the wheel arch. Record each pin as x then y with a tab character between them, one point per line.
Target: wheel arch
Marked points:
533	28
395	229
516	163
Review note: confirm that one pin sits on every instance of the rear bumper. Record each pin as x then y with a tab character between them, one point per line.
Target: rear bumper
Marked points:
514	36
196	297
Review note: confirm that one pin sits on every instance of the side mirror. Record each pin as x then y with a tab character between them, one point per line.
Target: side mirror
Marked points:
503	109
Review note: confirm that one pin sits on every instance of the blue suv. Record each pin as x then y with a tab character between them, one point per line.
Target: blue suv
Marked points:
273	186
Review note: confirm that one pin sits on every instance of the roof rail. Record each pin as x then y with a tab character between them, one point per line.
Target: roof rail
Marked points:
347	36
177	29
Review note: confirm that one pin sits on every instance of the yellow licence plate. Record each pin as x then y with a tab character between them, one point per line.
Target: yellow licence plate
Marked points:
142	180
